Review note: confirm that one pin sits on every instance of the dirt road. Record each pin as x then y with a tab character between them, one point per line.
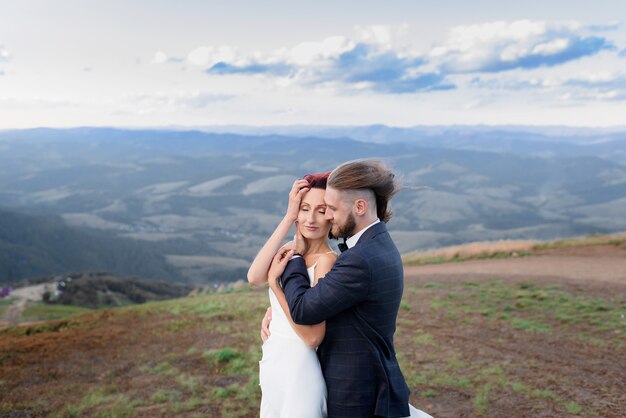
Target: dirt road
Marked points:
22	296
601	264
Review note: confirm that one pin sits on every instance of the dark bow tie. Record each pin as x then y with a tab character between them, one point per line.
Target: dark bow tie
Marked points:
342	246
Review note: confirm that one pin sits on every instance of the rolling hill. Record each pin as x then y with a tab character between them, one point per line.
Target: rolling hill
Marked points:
198	205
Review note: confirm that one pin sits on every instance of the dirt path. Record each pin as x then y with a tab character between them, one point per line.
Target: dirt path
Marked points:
23	295
577	268
15	312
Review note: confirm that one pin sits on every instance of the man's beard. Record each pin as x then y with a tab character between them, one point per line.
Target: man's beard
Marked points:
346	230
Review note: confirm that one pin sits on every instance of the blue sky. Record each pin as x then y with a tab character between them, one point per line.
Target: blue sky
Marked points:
402	63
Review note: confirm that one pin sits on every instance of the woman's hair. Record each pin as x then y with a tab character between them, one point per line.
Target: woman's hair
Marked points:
318	180
371	175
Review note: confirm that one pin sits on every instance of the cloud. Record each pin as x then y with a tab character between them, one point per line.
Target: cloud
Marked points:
207	56
223	68
170	101
36	103
623	53
598	80
161	57
381	59
501	46
598	86
369	62
4	54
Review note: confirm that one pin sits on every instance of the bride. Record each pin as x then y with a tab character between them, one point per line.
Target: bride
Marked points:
290	374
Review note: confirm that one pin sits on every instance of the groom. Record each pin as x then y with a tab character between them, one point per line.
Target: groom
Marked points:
358	298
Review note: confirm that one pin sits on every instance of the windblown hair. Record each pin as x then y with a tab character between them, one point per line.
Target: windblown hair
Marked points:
371	175
318	180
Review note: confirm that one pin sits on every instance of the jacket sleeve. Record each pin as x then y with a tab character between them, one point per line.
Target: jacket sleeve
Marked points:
345	285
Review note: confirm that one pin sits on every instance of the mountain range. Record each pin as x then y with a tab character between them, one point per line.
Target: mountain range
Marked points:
196	205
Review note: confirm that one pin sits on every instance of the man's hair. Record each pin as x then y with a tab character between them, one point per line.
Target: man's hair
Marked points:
371	175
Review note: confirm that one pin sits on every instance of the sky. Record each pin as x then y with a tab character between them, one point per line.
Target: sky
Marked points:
191	63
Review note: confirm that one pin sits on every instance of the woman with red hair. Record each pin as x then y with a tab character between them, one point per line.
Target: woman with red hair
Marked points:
290	375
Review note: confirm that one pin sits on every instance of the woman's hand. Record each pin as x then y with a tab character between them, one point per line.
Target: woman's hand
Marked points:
265	324
299	188
278	267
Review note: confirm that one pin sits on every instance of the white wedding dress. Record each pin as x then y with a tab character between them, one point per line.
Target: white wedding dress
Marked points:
290	375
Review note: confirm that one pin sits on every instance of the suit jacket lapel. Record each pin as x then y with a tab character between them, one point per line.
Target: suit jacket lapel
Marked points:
377	229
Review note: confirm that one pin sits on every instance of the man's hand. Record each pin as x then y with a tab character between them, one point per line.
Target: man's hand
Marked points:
278	267
265	324
299	243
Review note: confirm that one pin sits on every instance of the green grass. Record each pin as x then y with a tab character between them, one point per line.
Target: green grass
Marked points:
573	408
163	369
437	367
426	258
584	241
424	338
39	311
166	395
106	401
4	305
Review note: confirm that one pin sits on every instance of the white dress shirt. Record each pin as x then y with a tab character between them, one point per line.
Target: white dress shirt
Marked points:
351	242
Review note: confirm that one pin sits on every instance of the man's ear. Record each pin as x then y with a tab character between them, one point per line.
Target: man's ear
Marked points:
360	206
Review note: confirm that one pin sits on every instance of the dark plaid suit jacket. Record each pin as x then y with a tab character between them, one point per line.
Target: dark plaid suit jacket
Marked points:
359	300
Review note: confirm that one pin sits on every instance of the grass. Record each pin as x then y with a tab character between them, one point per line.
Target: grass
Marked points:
199	355
39	311
106	401
596	239
163	369
4	305
573	408
505	249
438	367
473	251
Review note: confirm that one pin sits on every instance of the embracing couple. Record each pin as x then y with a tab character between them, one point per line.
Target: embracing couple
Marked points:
328	350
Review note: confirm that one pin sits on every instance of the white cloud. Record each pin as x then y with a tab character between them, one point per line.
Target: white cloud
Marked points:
369	61
35	103
314	53
384	35
160	57
503	45
207	56
379	58
4	54
177	101
582	86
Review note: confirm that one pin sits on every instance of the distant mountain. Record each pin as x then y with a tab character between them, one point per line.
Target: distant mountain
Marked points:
32	246
95	290
552	141
199	205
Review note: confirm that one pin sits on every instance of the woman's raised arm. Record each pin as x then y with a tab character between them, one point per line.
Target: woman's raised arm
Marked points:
257	273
